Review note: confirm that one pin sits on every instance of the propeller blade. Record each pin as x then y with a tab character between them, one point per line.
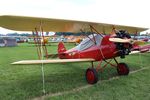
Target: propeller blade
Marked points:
139	42
119	40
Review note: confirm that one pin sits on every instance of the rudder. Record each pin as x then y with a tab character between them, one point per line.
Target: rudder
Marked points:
61	48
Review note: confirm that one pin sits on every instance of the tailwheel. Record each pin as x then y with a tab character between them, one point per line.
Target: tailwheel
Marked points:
91	76
123	69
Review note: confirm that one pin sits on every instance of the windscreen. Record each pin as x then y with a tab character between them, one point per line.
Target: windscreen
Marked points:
88	42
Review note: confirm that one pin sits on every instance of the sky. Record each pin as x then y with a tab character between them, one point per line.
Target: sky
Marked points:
122	12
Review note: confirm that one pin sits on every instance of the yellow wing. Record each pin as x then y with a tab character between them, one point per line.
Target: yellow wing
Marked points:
22	23
23	62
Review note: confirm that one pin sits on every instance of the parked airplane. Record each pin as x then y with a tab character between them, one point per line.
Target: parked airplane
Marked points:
96	47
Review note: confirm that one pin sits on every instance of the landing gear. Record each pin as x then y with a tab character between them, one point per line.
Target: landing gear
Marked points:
122	69
92	73
91	76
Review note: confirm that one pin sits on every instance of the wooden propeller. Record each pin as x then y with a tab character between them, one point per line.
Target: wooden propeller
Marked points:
131	41
119	40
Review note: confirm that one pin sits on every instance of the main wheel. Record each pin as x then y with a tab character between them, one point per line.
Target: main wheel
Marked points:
91	76
123	69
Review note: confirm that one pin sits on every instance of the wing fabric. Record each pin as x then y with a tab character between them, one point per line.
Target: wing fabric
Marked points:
25	62
23	23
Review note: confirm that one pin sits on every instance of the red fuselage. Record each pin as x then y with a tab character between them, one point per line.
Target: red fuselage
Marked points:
105	50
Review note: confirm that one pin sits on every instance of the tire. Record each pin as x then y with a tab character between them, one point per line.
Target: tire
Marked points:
91	76
122	69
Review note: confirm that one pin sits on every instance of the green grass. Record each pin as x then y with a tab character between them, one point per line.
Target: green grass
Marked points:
21	82
134	87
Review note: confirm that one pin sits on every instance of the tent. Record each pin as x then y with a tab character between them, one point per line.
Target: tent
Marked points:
2	43
8	42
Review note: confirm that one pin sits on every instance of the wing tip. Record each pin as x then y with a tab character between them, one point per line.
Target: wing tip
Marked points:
14	63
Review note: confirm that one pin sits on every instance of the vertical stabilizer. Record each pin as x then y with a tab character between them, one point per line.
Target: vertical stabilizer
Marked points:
61	48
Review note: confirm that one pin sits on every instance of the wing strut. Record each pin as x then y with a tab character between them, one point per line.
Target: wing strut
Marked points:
39	41
40	44
92	28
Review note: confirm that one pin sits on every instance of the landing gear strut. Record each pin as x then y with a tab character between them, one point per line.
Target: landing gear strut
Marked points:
92	73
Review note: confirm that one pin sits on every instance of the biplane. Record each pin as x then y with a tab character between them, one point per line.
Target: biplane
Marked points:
106	42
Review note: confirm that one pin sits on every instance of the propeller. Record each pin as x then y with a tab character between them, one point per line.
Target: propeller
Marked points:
121	36
120	40
126	40
123	42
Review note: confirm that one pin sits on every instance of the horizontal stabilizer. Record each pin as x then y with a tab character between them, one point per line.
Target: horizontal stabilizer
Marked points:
51	61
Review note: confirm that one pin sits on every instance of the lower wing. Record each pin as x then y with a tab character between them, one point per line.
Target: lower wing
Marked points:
51	61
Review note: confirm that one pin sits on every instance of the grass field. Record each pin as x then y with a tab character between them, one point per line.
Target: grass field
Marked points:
67	81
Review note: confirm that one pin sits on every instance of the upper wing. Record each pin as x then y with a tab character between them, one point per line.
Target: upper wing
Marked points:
51	61
22	23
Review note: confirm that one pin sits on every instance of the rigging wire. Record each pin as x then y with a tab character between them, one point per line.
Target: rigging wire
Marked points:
42	58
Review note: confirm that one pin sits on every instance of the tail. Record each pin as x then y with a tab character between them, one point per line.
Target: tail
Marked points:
61	48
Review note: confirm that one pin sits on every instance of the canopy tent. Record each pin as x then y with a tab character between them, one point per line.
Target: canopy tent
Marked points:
8	42
2	43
